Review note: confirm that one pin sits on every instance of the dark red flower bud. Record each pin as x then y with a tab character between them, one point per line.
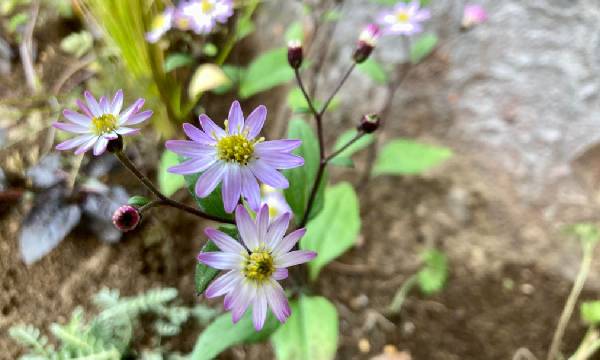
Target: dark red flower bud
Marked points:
126	218
366	43
295	56
368	123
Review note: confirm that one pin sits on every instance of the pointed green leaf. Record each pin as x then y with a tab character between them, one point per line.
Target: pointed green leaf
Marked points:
374	70
422	47
311	332
405	157
177	60
335	229
301	179
167	182
138	200
266	71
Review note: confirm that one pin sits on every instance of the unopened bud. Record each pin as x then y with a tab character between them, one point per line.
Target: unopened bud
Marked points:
115	145
126	218
369	123
366	43
295	56
473	15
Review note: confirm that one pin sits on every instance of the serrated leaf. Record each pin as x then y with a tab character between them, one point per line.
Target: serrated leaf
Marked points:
590	312
177	60
222	333
294	32
301	179
77	44
422	47
335	229
213	203
311	332
47	224
344	158
168	182
266	71
374	70
206	77
405	157
432	277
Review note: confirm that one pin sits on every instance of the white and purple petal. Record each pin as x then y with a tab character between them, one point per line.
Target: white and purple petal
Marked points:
221	260
294	258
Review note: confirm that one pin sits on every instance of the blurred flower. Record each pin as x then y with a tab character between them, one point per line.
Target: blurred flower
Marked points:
366	43
100	122
126	218
404	19
234	156
275	200
160	25
473	14
202	15
255	266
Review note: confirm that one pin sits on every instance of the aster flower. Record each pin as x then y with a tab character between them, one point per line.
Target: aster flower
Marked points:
100	122
473	14
234	156
404	19
202	15
160	25
275	200
255	266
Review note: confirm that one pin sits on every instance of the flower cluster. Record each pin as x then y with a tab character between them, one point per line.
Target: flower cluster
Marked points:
200	16
101	121
404	19
255	266
234	156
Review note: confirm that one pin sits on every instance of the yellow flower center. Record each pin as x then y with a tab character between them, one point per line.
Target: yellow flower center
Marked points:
259	266
159	22
104	124
403	16
236	148
206	6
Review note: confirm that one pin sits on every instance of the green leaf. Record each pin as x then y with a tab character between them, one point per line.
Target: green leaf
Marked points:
177	60
235	74
266	71
210	49
167	182
404	157
16	21
311	332
422	47
344	158
245	27
294	32
301	179
138	200
297	102
332	15
432	277
205	274
206	77
374	70
213	203
223	333
335	229
590	312
588	234
77	44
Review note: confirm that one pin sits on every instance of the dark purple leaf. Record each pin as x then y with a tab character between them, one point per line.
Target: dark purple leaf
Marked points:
98	208
47	224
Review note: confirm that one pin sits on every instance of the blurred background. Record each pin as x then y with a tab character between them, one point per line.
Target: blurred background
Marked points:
516	99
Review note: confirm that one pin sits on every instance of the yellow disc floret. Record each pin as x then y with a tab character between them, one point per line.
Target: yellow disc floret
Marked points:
207	6
403	16
104	124
258	266
236	148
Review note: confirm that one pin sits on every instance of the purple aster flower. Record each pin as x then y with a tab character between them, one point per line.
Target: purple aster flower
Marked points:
473	14
100	122
234	156
202	15
160	25
404	19
254	266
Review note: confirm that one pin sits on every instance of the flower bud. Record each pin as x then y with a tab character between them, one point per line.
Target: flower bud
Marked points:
295	55
115	145
369	123
126	218
366	43
473	15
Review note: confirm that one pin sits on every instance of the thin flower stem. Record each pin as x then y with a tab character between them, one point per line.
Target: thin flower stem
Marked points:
339	86
306	97
584	270
341	149
162	199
